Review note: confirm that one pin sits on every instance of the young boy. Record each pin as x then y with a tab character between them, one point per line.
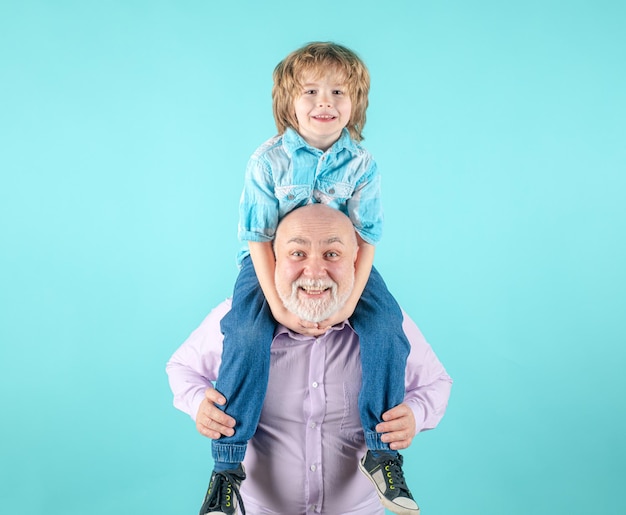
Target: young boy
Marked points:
320	96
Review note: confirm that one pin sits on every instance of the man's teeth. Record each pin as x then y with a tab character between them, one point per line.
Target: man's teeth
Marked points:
311	291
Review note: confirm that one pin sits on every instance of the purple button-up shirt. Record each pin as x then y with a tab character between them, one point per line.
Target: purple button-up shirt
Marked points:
303	457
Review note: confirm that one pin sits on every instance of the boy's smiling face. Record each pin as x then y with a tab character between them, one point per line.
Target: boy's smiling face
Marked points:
323	109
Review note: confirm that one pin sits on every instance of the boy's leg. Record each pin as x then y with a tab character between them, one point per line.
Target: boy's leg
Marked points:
384	347
377	320
248	332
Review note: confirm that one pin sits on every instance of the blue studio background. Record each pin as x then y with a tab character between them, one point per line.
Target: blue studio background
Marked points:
499	129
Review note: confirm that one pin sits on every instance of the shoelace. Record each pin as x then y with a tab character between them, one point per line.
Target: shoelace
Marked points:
226	478
393	471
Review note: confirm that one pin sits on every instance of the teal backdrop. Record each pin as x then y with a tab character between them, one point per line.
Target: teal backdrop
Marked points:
499	128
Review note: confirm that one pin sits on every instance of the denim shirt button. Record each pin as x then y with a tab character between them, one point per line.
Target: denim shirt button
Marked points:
331	191
290	197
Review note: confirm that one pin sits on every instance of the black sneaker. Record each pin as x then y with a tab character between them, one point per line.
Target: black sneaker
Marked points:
386	474
222	497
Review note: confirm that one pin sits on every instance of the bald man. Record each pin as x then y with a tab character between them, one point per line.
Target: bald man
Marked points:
305	455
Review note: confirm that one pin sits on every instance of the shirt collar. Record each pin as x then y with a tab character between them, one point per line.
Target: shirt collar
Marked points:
281	329
292	141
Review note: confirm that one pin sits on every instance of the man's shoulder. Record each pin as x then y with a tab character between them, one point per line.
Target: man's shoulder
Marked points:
217	313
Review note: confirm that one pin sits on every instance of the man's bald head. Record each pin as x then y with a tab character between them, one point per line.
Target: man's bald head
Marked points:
314	219
315	248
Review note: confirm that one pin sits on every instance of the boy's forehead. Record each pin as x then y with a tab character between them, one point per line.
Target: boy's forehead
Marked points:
315	73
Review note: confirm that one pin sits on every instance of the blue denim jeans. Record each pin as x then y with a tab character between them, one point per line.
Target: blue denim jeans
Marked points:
248	332
385	348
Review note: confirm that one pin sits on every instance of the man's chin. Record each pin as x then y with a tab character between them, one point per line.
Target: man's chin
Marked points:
312	311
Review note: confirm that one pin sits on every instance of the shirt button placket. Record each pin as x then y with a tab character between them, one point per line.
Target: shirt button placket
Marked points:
317	396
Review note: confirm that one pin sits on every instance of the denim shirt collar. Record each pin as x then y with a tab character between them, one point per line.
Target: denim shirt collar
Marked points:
292	141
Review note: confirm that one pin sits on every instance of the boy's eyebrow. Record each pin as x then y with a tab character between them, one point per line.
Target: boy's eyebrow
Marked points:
338	84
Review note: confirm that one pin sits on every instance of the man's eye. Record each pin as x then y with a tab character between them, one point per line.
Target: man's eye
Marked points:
297	253
332	254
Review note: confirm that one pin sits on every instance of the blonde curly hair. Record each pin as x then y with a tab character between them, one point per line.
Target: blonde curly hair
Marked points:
318	58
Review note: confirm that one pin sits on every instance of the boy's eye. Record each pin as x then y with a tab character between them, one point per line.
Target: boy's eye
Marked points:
309	92
337	92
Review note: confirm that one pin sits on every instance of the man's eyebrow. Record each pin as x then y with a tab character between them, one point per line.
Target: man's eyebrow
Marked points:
303	241
299	241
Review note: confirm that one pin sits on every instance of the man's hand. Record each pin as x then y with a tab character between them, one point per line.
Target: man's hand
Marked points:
398	427
211	421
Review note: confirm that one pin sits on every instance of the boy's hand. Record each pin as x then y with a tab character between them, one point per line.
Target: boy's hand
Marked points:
211	421
341	316
297	325
398	427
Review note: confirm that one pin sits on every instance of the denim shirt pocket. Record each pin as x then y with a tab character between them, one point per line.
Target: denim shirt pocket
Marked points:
291	196
333	193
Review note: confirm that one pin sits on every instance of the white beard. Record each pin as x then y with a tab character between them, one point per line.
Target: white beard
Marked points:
315	310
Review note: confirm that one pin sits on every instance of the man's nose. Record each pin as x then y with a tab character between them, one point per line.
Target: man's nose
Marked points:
315	268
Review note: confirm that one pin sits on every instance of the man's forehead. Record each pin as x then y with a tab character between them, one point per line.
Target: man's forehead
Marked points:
308	241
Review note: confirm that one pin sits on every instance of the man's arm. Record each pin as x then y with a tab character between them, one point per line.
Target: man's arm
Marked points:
427	383
427	391
195	365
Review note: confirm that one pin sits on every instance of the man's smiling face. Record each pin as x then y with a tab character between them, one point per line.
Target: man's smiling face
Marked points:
315	250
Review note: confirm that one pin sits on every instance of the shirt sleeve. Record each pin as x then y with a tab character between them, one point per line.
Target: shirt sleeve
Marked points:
365	206
426	382
258	206
194	366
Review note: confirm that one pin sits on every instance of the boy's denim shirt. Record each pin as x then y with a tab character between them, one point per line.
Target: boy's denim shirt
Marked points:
286	172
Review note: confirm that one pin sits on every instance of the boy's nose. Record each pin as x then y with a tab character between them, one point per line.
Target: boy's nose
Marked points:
324	101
